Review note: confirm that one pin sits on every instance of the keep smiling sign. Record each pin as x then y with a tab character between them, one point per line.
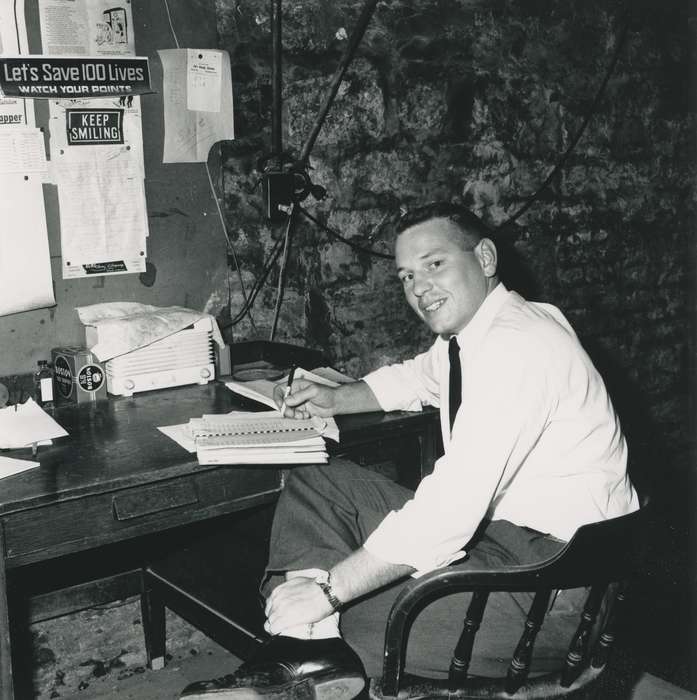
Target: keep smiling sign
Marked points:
73	77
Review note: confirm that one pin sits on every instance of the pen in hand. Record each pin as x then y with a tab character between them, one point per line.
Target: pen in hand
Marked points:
286	392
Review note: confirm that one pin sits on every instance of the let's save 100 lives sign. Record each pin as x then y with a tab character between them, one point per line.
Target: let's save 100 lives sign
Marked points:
71	77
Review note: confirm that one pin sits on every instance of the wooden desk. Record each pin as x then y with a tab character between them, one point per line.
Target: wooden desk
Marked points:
116	477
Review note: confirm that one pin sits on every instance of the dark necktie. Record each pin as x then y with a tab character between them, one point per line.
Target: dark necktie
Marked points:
455	389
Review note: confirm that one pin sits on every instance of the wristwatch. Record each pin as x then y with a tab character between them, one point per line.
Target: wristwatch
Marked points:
324	581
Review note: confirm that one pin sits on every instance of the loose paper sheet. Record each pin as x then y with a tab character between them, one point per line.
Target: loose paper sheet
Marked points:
13	41
197	95
28	424
10	466
25	265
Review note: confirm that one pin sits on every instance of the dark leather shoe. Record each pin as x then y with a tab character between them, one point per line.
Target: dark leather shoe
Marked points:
286	668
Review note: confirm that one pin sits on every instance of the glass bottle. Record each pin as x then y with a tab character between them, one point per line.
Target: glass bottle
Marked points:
43	385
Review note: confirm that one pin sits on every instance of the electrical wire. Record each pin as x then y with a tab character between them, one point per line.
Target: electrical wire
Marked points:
266	269
171	26
347	241
282	271
230	247
577	137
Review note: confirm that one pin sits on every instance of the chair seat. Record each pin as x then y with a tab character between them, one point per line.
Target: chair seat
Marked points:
601	557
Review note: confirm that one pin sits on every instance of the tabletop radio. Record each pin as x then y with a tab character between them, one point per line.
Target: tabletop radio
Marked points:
185	357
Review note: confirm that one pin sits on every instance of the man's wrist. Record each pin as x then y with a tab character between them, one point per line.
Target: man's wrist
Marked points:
324	581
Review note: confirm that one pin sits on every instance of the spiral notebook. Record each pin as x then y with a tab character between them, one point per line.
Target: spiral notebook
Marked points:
258	438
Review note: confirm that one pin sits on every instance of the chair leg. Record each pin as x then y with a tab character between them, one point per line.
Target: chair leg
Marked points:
154	628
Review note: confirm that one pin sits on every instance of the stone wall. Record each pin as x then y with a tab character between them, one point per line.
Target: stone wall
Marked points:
476	101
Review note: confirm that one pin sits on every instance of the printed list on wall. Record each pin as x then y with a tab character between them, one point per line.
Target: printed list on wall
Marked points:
96	143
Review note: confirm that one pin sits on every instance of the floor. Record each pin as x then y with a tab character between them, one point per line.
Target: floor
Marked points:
212	660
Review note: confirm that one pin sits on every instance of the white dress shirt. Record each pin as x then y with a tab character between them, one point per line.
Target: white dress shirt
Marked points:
536	440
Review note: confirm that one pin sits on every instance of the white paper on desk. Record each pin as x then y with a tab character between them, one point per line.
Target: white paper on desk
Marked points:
13	42
10	466
180	434
27	425
25	266
103	218
190	133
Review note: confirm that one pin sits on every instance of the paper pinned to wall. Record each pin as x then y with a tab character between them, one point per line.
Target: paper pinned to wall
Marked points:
22	151
203	80
25	265
13	42
86	27
103	218
200	78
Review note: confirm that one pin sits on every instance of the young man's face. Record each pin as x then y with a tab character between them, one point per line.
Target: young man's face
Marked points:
444	283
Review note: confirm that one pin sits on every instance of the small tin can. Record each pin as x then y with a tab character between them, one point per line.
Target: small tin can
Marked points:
78	376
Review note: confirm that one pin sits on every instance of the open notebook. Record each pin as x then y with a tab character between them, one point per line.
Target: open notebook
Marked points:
262	390
258	438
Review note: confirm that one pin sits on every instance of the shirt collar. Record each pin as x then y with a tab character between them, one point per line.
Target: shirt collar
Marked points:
475	330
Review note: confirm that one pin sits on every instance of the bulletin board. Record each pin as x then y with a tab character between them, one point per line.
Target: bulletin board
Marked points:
186	260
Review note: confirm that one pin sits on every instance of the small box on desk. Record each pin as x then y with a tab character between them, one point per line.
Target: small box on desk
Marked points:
77	375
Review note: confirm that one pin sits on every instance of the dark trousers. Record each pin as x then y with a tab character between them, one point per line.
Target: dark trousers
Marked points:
325	512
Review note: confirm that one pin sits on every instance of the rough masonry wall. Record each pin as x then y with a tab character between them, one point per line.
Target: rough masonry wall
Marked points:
476	101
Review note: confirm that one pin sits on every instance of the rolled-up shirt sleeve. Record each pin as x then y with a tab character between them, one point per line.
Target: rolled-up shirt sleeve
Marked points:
501	416
409	385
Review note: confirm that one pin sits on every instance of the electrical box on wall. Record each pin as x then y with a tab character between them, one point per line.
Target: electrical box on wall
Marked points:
277	190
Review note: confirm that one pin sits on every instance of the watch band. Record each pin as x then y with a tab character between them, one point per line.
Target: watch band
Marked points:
324	581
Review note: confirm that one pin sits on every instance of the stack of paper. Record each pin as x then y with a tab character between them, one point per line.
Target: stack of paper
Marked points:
258	438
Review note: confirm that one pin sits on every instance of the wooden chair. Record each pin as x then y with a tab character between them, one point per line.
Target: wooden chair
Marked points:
597	556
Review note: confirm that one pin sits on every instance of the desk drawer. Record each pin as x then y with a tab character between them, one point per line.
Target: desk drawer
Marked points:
93	520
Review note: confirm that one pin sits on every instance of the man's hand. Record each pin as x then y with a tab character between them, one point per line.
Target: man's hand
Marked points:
298	601
307	399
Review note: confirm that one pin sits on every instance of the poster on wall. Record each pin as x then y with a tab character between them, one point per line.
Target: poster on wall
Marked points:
14	111
86	27
73	76
96	130
96	143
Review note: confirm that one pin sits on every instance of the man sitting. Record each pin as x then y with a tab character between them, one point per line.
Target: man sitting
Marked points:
533	450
